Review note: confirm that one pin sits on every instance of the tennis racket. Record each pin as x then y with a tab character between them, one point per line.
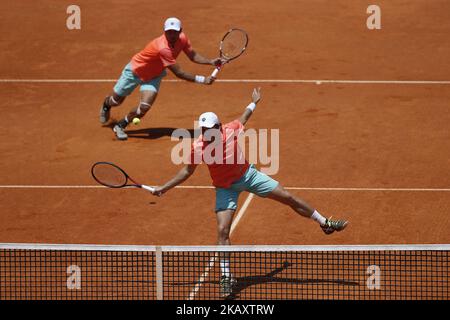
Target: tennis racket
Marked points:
111	176
233	44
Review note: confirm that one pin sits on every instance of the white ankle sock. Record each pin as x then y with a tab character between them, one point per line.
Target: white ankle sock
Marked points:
225	268
316	216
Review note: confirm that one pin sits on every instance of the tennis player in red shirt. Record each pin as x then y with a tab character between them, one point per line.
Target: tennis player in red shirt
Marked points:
147	68
232	174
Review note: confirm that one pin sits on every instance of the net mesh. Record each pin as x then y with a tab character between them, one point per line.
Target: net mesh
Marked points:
109	175
188	274
233	44
73	275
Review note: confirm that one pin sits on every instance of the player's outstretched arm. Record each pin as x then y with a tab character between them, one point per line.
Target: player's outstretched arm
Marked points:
198	58
256	97
179	73
180	177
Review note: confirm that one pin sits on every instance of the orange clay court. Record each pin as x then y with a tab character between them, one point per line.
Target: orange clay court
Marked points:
375	152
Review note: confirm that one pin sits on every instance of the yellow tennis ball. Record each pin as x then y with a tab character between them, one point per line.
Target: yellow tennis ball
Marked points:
136	121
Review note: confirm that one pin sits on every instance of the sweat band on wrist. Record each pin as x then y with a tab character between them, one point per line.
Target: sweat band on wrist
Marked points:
200	79
251	106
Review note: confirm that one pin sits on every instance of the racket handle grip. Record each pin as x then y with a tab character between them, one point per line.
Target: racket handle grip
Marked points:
148	188
215	72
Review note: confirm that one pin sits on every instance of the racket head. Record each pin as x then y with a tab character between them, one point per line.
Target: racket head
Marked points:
109	175
233	44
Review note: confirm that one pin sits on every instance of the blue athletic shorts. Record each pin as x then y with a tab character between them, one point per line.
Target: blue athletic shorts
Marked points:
128	81
252	181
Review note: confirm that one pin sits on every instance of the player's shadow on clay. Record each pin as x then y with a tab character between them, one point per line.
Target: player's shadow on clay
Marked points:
154	133
150	133
244	283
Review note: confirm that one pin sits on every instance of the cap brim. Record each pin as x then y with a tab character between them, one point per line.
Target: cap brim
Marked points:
172	28
205	125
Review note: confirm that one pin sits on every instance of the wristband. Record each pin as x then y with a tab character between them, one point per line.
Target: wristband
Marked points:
200	79
251	106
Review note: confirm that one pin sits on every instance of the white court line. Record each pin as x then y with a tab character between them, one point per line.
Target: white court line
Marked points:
203	277
212	261
49	187
372	189
316	81
241	213
212	187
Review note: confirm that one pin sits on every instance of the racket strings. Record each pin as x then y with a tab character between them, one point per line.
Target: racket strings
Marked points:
233	44
109	175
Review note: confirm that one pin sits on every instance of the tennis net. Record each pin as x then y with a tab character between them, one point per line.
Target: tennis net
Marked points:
66	272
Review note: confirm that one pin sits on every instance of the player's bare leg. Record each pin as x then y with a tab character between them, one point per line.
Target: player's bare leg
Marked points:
113	100
147	99
224	220
298	205
302	208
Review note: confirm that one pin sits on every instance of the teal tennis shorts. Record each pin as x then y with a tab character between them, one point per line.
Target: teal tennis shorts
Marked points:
252	181
128	81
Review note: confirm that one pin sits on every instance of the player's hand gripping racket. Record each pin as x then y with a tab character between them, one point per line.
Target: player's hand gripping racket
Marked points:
110	175
233	44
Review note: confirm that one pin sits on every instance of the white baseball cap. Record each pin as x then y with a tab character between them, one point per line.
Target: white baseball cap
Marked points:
208	120
172	24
